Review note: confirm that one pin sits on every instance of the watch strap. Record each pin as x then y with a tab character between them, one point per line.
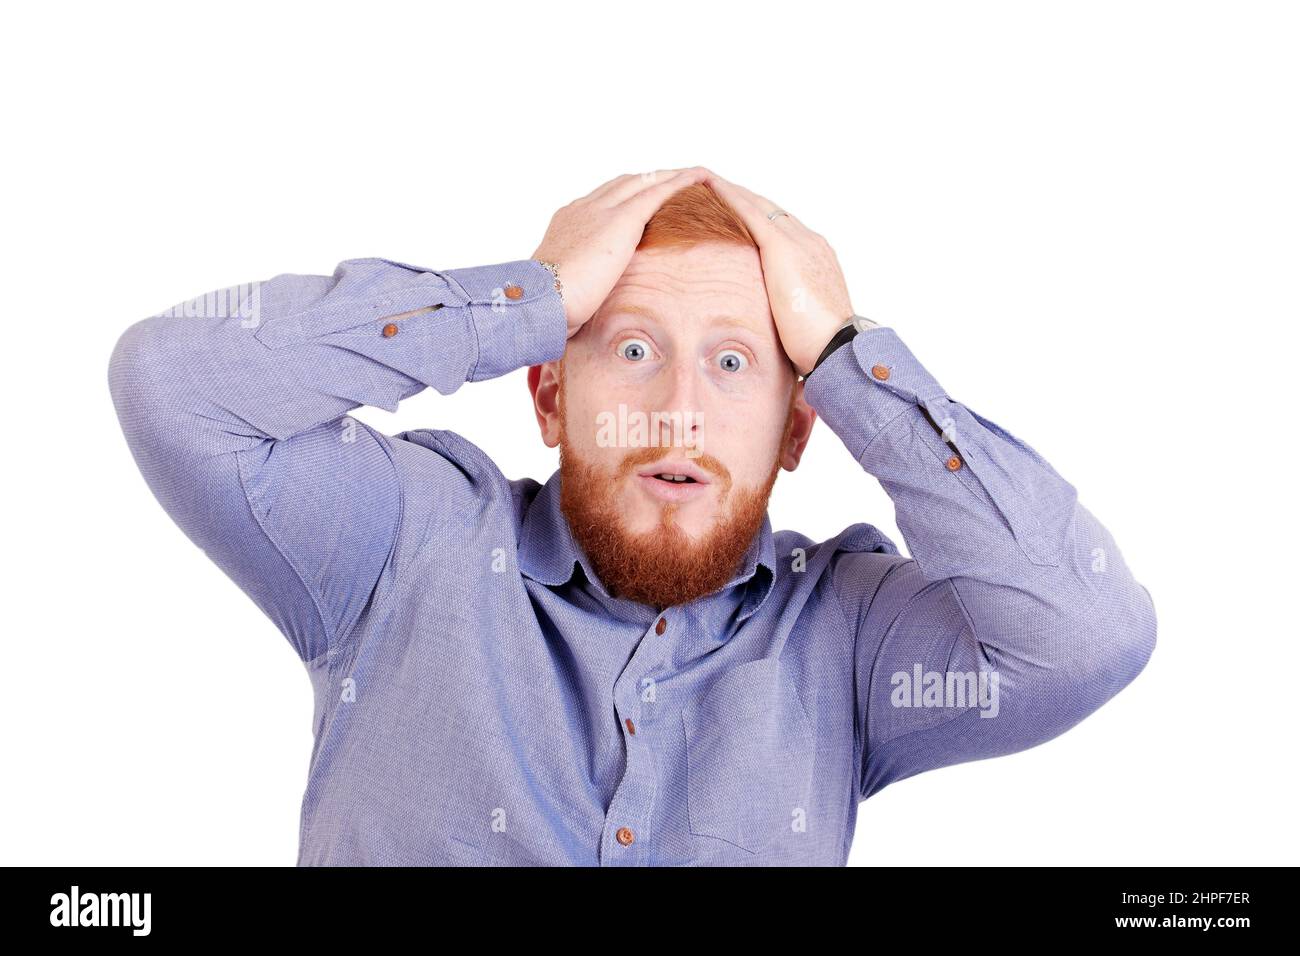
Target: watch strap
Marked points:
855	324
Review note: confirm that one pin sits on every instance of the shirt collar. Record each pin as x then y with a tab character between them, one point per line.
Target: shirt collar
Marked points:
548	553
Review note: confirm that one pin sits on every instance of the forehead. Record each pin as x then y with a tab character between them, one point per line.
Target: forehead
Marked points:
704	284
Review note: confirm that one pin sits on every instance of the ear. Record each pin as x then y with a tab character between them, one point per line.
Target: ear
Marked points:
802	420
544	384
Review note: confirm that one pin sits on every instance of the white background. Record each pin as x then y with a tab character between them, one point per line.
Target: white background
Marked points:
1081	217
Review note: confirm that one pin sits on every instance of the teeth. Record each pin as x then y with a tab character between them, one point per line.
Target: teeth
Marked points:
668	477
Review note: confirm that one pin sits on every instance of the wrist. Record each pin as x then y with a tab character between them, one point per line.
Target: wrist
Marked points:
843	335
554	270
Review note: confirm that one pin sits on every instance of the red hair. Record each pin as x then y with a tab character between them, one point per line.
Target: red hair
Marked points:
693	215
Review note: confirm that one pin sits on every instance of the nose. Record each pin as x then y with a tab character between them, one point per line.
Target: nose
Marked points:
681	419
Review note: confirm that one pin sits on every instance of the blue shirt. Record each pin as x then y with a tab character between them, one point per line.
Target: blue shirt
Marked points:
481	699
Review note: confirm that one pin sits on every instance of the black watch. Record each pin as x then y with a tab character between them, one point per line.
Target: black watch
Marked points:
855	324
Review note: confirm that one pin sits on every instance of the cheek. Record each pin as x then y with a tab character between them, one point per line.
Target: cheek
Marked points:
580	415
592	430
746	438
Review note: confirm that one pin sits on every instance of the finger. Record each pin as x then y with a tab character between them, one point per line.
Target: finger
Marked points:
743	201
605	187
645	202
753	200
760	202
637	183
627	183
786	224
766	206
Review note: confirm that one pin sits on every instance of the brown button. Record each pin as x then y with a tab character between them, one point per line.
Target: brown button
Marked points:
624	836
390	330
631	727
953	463
881	372
514	292
661	626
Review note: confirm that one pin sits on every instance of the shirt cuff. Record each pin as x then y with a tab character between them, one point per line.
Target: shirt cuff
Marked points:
517	315
897	384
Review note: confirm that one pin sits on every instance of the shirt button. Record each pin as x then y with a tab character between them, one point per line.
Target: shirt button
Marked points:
881	372
953	463
661	626
631	727
514	292
625	836
390	330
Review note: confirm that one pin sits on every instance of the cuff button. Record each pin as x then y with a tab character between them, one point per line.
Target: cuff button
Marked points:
390	330
514	292
881	372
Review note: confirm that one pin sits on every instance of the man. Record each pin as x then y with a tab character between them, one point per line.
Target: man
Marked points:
625	665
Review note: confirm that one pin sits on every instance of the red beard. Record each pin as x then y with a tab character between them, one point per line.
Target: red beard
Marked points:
661	567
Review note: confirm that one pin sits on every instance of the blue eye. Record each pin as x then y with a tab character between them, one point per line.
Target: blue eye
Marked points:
732	361
634	350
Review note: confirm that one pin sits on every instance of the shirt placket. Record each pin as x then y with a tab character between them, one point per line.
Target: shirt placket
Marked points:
627	837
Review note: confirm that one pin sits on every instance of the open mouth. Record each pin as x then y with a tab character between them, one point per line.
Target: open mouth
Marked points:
675	473
673	481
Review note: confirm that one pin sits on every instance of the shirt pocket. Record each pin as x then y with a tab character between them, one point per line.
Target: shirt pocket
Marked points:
749	757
